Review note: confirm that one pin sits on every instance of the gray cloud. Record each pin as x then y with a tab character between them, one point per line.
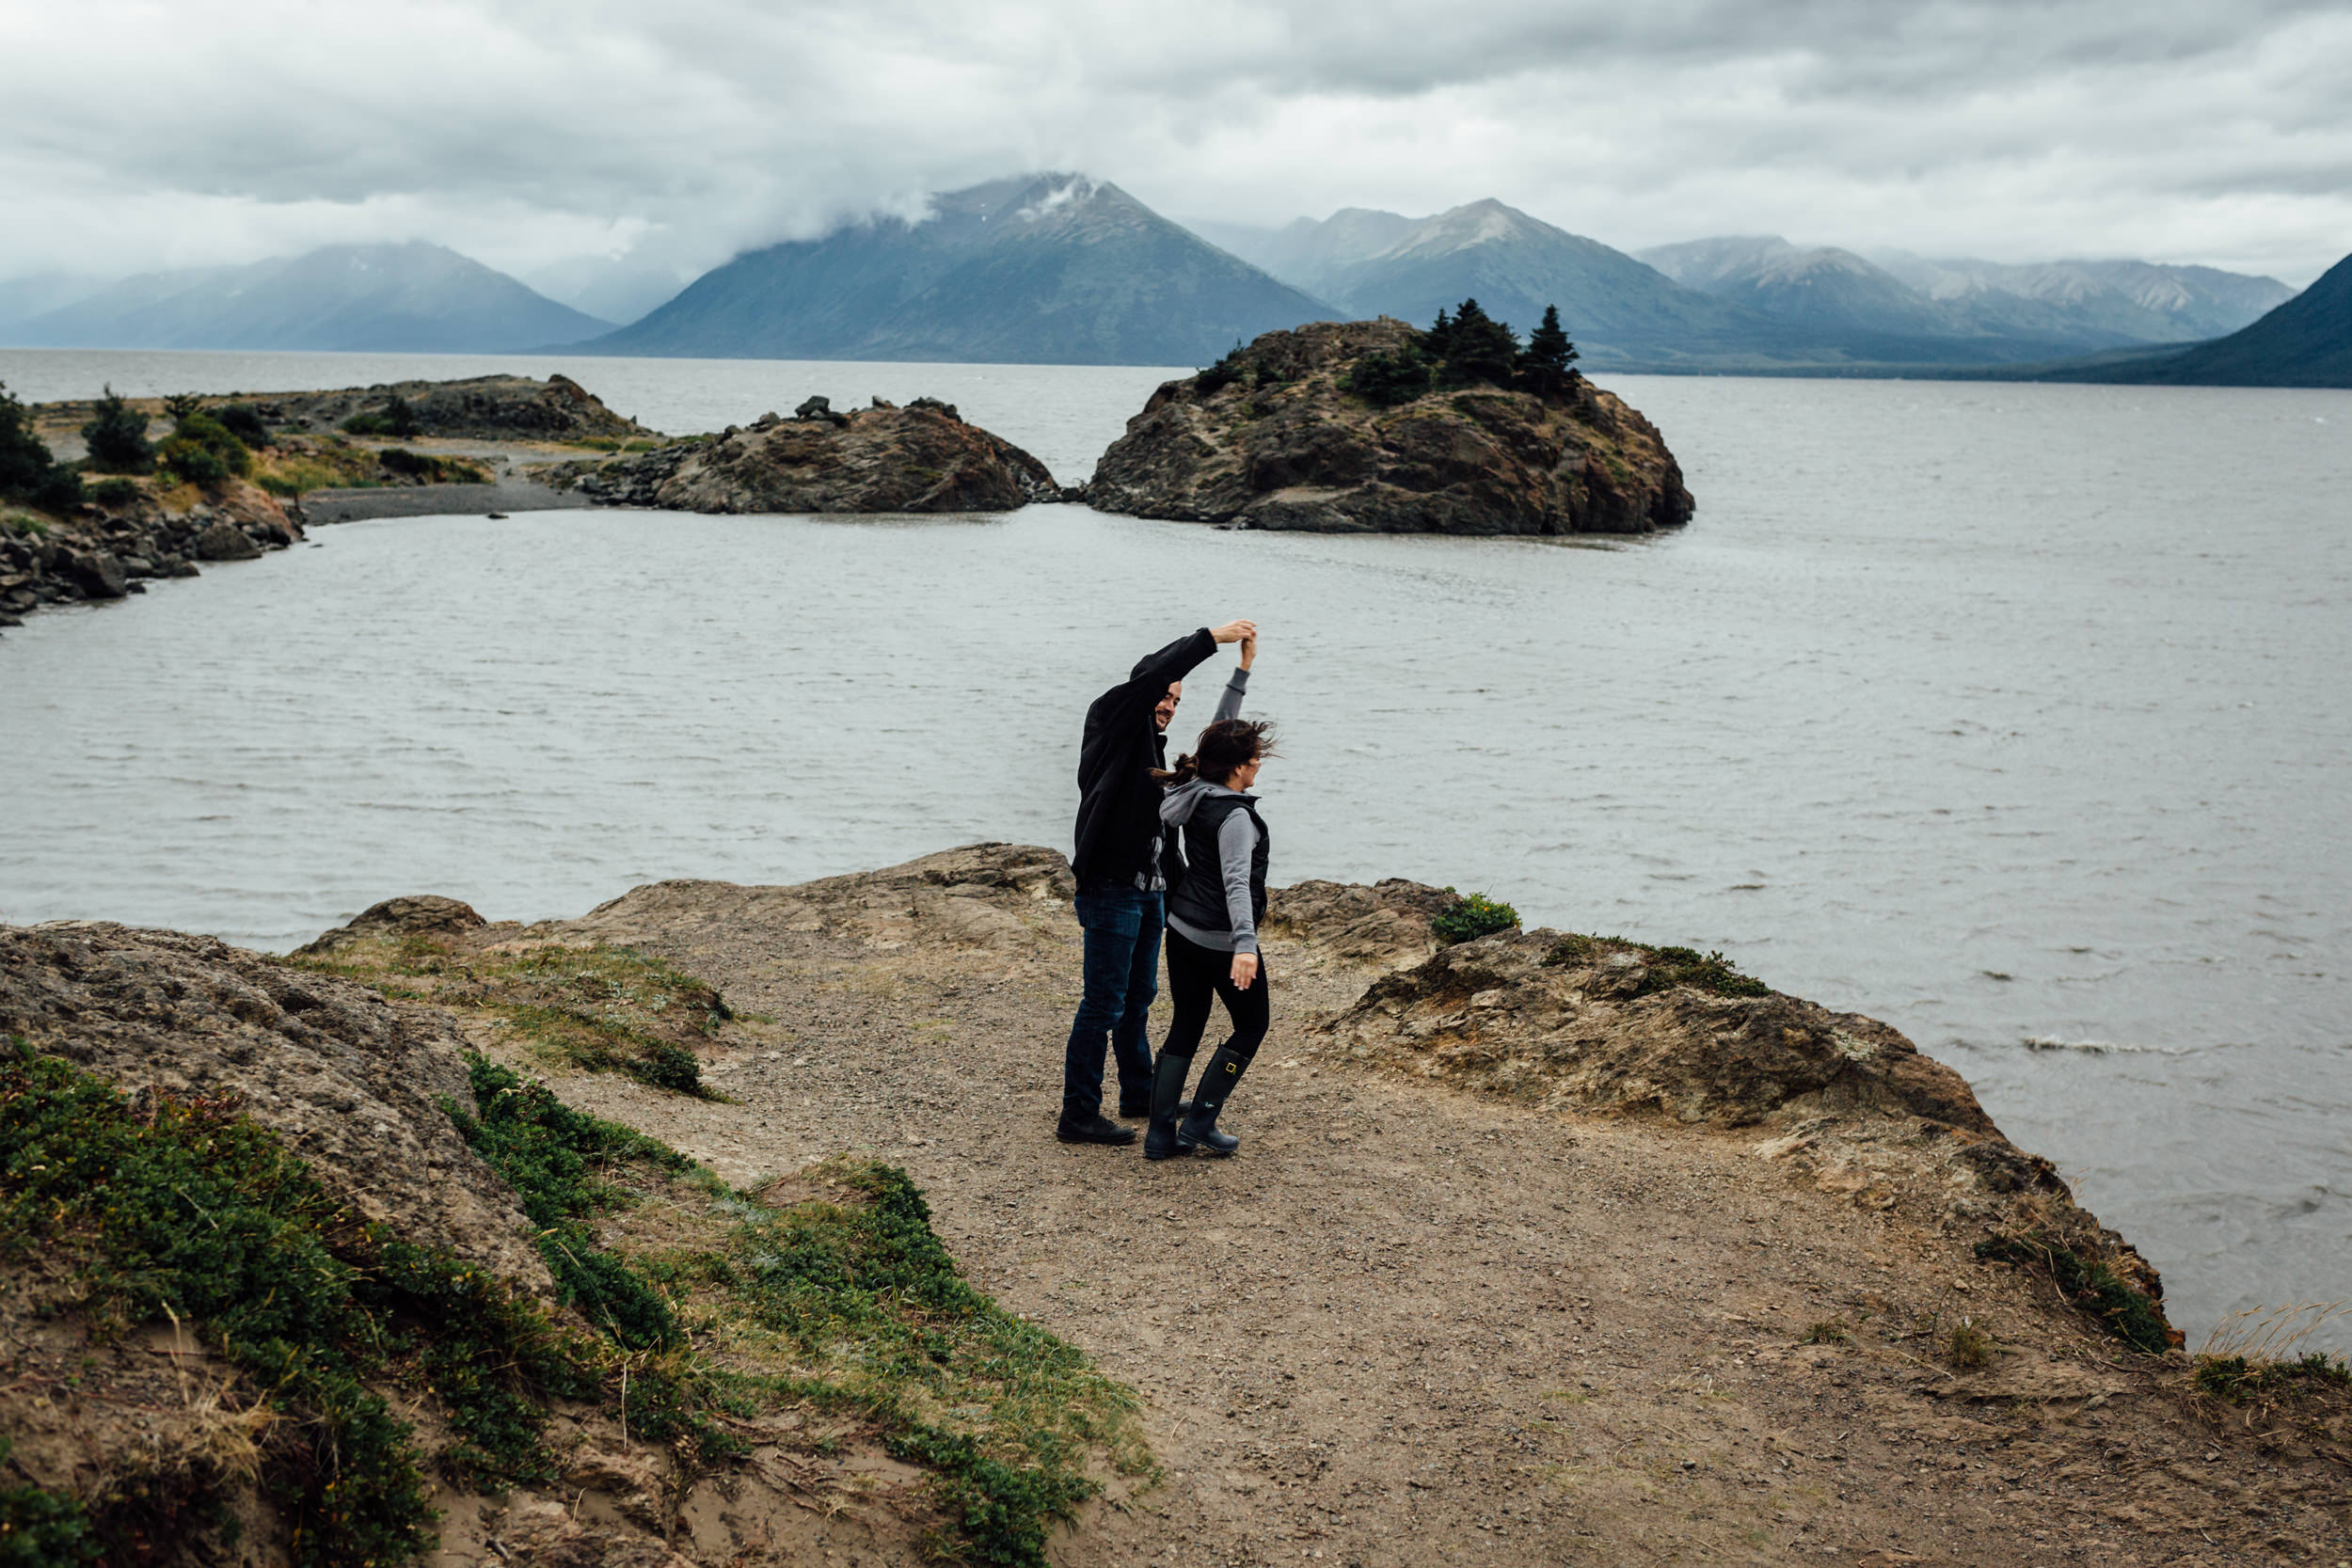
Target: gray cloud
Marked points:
135	135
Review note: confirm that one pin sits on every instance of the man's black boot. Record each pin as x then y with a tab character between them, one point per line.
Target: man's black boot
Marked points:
1168	1090
1093	1128
1198	1130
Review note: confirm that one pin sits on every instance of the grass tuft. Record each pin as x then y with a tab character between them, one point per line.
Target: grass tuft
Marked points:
1663	968
1968	1345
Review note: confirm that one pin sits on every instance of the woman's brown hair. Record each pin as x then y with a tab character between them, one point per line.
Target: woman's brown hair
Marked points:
1224	746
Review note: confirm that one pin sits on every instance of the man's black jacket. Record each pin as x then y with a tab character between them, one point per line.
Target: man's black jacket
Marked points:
1119	805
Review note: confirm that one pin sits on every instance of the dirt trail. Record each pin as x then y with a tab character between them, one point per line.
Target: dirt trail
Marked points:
1407	1325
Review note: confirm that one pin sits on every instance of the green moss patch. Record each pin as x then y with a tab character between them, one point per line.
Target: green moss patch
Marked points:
1662	968
2090	1285
856	1283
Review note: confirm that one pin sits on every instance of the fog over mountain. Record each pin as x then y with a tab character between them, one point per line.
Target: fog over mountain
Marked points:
1042	269
411	297
136	138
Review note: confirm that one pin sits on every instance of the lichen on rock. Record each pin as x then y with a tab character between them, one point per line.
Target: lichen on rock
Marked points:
1272	438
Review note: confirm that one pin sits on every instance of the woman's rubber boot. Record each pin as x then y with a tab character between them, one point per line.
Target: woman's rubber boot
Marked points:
1168	1090
1198	1130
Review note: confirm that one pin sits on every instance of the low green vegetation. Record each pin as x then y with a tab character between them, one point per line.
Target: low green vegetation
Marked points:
27	472
426	468
602	1010
840	1301
856	1282
395	418
115	493
316	462
2089	1285
611	443
1662	968
2243	1378
1470	916
1468	348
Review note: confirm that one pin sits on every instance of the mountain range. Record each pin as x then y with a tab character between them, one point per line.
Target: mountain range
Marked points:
1044	269
397	298
1061	268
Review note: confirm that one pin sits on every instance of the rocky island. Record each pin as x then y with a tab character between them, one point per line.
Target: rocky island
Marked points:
1292	433
684	1232
919	458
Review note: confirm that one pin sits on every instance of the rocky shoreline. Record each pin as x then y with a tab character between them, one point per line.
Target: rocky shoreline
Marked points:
1536	1241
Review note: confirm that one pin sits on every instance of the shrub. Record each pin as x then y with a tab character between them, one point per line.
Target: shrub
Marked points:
243	422
395	418
1968	1345
192	461
114	492
2089	1285
1222	374
1670	967
1390	379
1473	917
116	434
203	452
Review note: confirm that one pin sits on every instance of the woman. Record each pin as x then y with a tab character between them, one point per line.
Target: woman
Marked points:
1212	915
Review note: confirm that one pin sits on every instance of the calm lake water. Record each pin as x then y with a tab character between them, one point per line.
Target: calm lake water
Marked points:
2016	716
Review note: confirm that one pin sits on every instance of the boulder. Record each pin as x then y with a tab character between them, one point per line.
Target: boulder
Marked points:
98	574
222	540
415	915
1271	439
910	459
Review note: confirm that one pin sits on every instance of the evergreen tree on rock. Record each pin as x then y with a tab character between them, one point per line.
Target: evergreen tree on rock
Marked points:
1544	364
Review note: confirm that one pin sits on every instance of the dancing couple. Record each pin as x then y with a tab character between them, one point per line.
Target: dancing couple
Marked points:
1177	853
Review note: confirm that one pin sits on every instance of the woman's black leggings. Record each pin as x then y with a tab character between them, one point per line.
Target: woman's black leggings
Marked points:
1195	974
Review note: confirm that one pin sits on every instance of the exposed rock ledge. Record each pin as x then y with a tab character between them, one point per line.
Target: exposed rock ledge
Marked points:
1271	439
919	458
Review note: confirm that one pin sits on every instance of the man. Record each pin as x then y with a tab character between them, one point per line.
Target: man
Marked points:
1120	885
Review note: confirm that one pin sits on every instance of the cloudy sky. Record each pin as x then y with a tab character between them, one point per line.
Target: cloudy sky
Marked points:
184	132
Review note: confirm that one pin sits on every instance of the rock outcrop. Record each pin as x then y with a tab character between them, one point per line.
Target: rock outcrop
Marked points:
106	553
1572	1022
349	1083
482	407
920	458
1271	439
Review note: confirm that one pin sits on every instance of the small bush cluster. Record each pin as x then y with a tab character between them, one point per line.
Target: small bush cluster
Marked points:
201	451
395	418
1472	916
2241	1377
2090	1285
1968	1345
1669	967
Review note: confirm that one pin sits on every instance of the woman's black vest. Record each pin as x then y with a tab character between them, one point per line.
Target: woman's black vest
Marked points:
1199	899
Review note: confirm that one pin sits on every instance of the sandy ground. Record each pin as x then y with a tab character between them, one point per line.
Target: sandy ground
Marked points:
1405	1325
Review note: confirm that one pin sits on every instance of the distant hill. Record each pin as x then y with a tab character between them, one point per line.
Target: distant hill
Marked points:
1042	269
2125	301
414	297
38	294
1308	254
2306	341
1934	312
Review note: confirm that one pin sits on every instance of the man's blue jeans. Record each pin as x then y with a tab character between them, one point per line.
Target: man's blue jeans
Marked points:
1123	975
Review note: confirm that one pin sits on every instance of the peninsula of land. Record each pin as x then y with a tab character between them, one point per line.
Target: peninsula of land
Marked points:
685	1232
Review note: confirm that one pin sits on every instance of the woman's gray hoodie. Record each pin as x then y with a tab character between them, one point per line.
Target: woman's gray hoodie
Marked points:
1237	847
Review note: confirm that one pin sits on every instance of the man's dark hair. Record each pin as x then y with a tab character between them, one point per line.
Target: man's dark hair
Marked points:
1228	744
